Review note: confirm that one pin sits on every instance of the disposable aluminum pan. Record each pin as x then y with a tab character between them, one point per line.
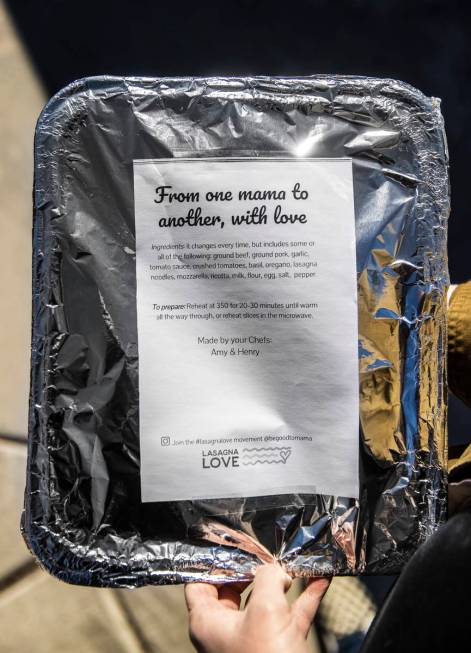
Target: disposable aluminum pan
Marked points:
84	519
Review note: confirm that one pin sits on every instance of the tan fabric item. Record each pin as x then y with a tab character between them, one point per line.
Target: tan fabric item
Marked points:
459	381
459	457
459	342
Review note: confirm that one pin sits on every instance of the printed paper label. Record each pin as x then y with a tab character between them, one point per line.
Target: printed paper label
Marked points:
247	327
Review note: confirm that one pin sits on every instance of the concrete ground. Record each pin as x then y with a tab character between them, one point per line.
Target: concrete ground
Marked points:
39	614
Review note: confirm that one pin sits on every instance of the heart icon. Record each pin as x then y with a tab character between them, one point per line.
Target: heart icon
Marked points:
285	454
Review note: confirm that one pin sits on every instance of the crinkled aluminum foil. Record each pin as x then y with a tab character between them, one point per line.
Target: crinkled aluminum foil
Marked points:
83	516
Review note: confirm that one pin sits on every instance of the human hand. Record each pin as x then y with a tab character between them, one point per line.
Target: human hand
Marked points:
268	623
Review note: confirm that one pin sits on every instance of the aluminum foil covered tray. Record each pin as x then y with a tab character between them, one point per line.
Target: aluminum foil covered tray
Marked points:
84	518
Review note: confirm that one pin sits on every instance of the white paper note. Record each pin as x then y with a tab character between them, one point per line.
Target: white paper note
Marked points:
247	327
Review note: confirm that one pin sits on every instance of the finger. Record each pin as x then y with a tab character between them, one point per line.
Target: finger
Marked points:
270	585
202	601
200	595
305	607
